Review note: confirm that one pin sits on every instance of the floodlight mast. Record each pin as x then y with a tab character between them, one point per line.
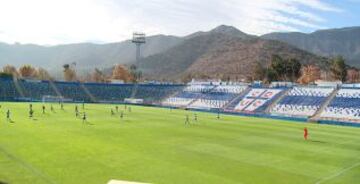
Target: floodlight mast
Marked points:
138	40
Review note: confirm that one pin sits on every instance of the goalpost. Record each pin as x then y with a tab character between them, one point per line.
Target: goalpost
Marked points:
49	98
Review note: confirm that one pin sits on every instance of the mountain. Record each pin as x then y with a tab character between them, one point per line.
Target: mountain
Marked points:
223	29
221	52
86	55
331	42
221	55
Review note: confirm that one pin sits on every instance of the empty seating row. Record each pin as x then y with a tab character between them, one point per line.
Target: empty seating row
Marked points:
302	101
345	105
218	97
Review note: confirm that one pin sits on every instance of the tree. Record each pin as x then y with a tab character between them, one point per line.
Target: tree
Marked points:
69	73
310	74
43	74
27	71
278	67
258	72
11	70
352	75
338	68
98	76
120	73
135	73
271	75
293	69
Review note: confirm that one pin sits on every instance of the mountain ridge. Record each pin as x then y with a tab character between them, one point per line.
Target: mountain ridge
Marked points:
167	47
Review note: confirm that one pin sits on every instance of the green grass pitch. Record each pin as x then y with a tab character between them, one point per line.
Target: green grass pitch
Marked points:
154	145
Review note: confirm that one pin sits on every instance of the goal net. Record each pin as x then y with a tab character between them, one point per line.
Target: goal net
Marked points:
49	98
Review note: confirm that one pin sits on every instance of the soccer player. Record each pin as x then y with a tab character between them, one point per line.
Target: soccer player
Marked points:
51	108
195	117
8	115
112	112
84	118
306	133
43	109
187	120
62	106
121	114
76	111
117	108
31	113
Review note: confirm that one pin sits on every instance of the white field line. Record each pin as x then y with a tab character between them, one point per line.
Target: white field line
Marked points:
123	182
340	172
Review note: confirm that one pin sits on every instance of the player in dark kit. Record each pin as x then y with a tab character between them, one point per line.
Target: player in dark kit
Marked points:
117	108
8	115
306	133
51	108
31	113
187	120
112	112
43	109
84	118
76	111
121	115
195	117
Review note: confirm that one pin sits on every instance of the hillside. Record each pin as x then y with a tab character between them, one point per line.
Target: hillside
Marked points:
86	55
331	42
222	52
215	54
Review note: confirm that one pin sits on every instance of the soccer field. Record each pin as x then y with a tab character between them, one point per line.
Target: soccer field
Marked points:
153	145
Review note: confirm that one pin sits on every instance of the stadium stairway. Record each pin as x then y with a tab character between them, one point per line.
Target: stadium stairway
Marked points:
232	104
277	100
18	87
54	88
134	91
316	116
87	92
172	95
200	97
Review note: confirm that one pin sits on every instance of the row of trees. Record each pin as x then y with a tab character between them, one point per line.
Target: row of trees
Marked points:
292	70
280	69
119	72
26	71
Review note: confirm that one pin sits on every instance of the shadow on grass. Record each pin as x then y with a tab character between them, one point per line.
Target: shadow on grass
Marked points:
1	182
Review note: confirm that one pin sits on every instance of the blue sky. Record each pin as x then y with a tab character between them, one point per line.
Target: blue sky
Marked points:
69	21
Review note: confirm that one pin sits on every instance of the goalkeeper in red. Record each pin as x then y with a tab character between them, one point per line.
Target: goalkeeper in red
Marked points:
306	133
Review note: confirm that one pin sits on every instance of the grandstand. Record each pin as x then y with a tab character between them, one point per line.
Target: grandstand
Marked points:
345	105
217	97
257	99
302	101
327	103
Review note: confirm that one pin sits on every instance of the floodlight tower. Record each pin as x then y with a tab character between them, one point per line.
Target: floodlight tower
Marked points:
138	40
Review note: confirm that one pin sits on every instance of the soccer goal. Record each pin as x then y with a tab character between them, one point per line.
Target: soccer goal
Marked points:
49	98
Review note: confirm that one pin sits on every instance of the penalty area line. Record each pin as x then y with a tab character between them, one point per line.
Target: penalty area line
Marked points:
340	172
